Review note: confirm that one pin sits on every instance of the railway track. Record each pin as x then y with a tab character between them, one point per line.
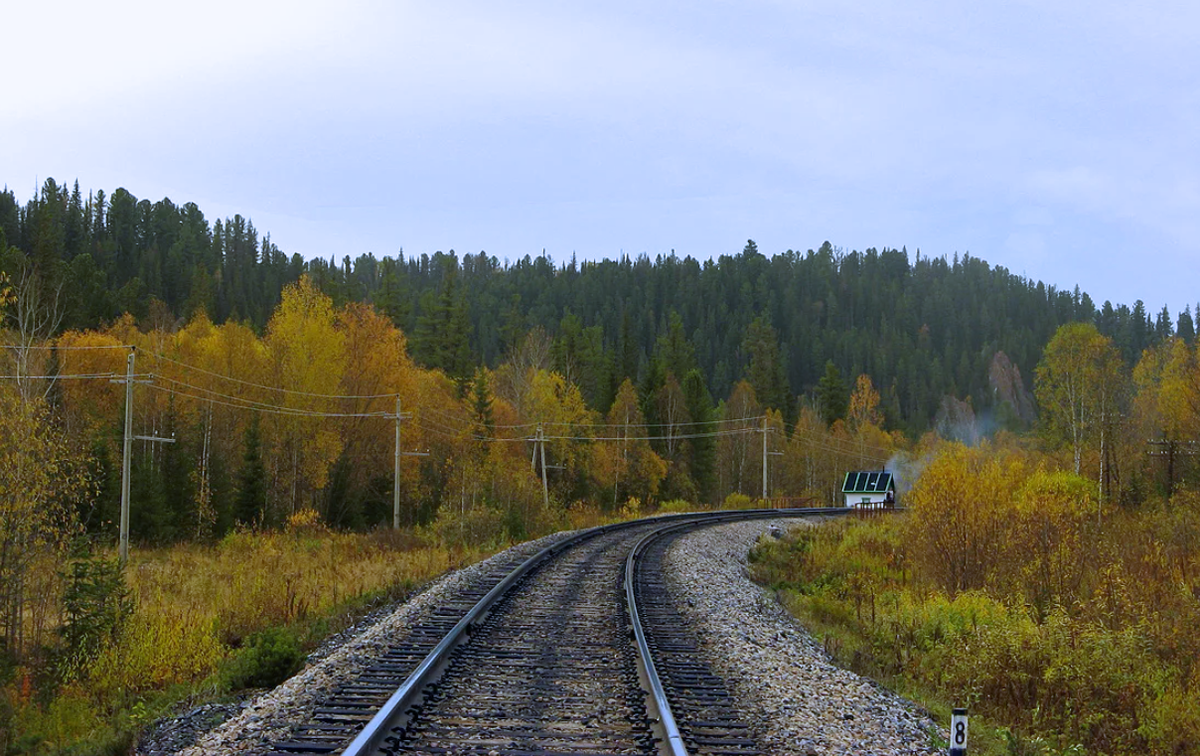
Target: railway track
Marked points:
537	659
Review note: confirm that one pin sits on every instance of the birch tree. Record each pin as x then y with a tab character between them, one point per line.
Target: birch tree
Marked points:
41	480
307	356
1076	387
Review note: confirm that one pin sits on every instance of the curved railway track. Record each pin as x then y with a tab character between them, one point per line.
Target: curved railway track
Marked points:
578	650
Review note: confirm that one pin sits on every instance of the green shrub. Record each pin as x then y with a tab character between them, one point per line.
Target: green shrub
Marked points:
472	527
738	501
97	602
1174	722
270	657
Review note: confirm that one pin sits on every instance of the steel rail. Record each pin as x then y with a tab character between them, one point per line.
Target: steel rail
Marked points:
671	741
398	711
403	705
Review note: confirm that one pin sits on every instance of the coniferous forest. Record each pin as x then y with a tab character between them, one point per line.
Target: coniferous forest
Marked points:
404	413
923	328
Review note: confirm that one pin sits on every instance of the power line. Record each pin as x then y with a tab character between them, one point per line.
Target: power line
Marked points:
682	437
264	408
198	393
887	452
757	420
77	376
251	384
452	416
555	424
65	348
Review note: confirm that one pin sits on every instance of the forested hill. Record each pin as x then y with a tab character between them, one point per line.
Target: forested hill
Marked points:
923	328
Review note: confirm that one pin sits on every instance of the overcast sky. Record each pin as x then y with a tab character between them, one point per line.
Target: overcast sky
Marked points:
1060	140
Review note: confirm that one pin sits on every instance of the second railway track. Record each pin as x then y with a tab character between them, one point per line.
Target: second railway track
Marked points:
547	668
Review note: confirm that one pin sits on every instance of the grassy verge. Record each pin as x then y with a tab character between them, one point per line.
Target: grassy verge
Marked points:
1054	681
841	605
206	621
195	623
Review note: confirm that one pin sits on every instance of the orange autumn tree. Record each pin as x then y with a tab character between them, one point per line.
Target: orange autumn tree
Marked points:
42	482
623	463
1167	401
378	372
1078	385
959	511
864	404
218	361
739	449
90	405
811	466
307	359
873	446
560	408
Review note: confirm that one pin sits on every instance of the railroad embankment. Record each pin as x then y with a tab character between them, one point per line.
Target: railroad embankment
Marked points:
1065	624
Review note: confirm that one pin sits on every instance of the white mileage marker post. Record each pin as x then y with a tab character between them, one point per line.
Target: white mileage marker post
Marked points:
958	733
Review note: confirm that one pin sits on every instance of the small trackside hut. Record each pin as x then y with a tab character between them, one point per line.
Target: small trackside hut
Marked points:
874	489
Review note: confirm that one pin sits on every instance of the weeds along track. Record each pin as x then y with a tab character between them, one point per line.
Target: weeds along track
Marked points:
544	659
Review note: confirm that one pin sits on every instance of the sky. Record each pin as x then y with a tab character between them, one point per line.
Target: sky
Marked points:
1058	139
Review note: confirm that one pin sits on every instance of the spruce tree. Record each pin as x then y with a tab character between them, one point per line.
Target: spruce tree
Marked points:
251	503
704	446
481	394
833	397
765	371
1186	329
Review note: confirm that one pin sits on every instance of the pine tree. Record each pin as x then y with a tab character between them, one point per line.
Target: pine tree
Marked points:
765	371
251	504
704	446
481	400
628	349
1186	329
393	298
177	474
833	397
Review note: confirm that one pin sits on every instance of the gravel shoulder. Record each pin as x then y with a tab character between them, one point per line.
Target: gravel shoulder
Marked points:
788	686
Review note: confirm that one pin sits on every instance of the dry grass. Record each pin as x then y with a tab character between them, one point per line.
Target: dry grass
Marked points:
195	606
1076	634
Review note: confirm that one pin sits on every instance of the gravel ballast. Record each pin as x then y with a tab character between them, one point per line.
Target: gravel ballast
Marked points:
784	681
787	686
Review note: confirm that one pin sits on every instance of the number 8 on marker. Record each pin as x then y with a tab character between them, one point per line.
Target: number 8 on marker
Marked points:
958	733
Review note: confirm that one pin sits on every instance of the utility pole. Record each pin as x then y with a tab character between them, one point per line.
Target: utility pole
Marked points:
396	473
396	469
539	450
765	431
123	541
126	455
545	486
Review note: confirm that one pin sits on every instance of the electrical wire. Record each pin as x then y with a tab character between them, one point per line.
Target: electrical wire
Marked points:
79	376
848	449
257	405
270	409
683	437
66	348
452	416
188	390
294	392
